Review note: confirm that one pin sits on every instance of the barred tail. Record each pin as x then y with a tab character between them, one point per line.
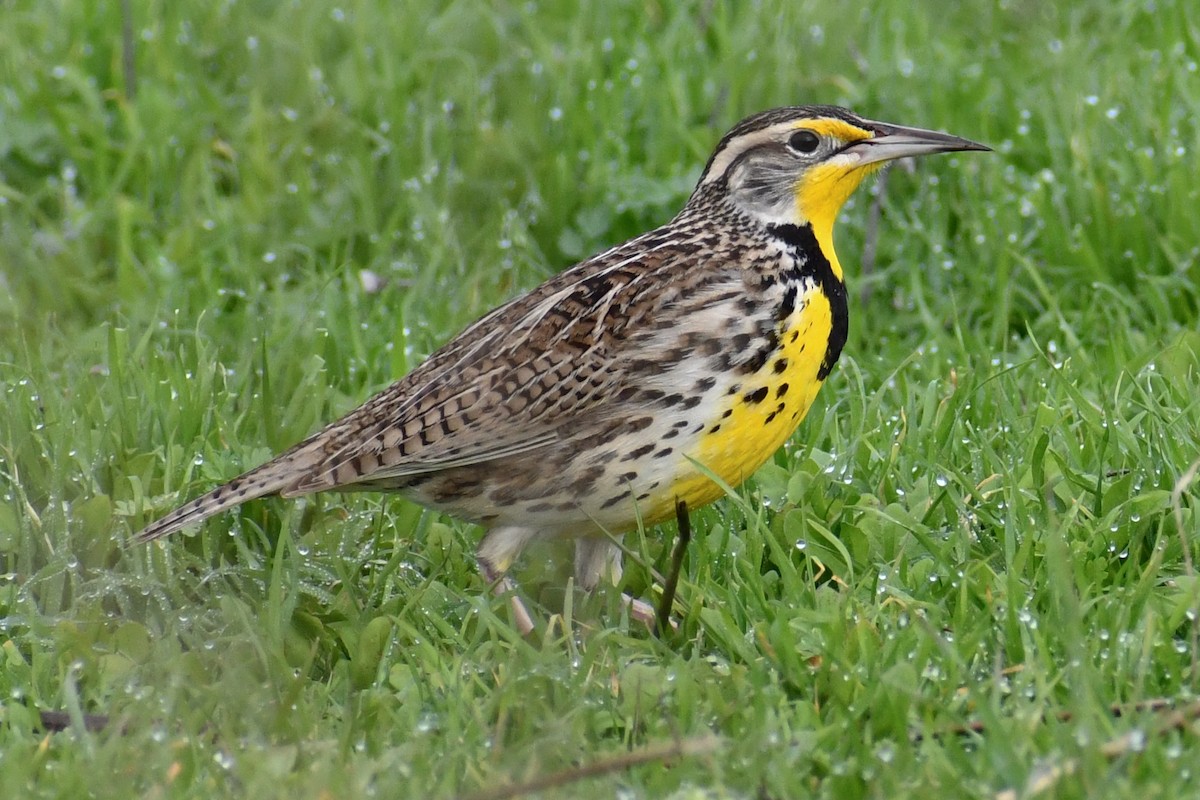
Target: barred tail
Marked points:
270	478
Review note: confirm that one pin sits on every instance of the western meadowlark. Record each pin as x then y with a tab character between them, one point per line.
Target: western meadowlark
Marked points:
618	387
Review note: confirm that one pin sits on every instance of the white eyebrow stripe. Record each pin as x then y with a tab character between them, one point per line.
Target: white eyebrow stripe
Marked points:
736	147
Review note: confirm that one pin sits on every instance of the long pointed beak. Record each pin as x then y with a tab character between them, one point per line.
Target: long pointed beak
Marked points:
894	141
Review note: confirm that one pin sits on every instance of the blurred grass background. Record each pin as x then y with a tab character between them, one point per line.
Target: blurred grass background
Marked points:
988	515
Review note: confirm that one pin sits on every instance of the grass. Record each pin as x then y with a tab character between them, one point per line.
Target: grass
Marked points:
987	518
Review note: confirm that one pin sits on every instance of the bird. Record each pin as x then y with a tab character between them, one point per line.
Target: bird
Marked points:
622	386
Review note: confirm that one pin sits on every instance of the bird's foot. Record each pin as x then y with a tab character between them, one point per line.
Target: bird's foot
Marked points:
645	613
501	586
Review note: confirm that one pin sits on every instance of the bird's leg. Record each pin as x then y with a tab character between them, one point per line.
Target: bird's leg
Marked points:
598	558
496	552
643	612
503	585
664	621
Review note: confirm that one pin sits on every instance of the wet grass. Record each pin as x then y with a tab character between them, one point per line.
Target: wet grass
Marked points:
987	519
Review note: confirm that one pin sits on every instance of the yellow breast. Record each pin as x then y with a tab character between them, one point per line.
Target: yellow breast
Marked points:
755	420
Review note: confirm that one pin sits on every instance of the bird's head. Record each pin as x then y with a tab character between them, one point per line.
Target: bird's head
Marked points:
799	165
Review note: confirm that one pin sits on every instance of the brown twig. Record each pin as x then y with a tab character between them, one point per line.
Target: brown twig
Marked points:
58	721
128	64
871	235
1047	777
704	18
652	753
672	582
1116	711
1181	485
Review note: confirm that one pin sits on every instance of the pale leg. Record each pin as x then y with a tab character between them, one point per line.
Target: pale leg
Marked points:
494	556
502	585
598	557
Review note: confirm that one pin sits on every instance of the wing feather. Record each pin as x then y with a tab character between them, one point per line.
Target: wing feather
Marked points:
503	387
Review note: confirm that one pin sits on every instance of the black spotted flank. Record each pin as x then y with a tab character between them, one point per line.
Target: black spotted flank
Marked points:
612	501
812	263
638	453
756	396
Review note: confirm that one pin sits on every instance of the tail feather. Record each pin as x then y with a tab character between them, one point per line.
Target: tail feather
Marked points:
270	478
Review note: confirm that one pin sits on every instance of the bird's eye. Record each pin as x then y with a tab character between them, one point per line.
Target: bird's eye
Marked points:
804	141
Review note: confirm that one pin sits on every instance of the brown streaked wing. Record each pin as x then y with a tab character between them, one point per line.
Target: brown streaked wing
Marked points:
507	383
